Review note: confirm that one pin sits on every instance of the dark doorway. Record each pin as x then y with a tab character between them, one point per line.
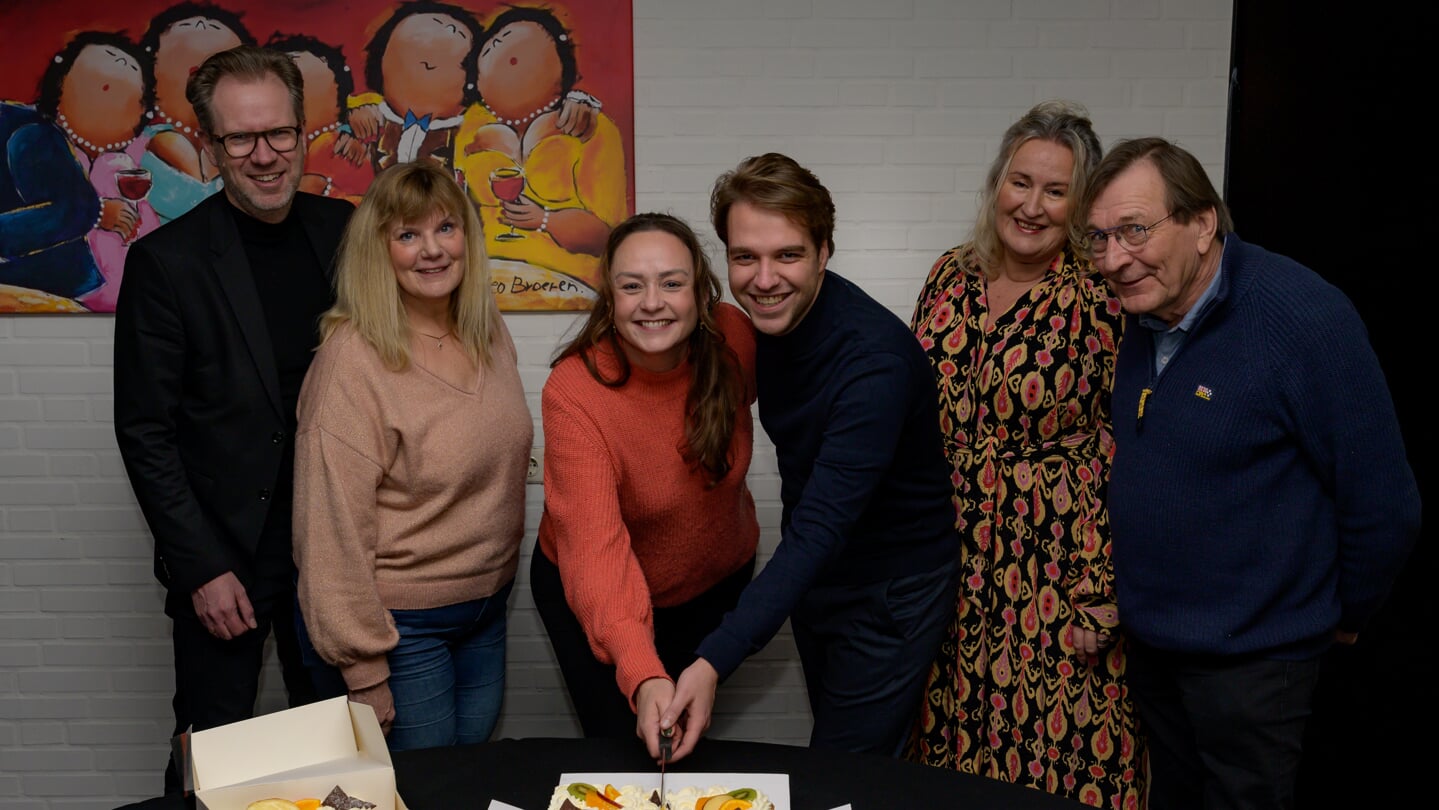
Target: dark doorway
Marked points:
1330	162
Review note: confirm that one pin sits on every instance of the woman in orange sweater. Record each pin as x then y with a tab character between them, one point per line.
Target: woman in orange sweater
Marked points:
649	532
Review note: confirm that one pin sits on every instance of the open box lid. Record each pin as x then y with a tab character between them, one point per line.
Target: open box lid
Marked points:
267	748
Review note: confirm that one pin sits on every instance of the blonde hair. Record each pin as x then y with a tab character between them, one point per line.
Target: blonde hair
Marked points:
1058	121
366	293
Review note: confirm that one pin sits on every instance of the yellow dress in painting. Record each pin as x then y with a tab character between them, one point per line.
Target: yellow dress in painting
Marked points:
561	172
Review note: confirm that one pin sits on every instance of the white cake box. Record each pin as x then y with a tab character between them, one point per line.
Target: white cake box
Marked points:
298	753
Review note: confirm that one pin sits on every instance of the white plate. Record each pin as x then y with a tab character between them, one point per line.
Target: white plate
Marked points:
773	785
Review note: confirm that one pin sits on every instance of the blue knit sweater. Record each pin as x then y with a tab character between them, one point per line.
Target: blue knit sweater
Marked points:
1263	498
849	401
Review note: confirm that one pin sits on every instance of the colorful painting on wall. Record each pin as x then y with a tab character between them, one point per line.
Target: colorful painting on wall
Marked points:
529	102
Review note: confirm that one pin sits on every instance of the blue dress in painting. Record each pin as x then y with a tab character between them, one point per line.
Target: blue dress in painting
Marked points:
47	207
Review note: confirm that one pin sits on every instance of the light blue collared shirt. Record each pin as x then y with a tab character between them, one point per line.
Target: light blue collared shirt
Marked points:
1168	340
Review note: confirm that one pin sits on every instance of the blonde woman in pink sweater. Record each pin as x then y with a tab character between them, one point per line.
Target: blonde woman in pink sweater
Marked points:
410	463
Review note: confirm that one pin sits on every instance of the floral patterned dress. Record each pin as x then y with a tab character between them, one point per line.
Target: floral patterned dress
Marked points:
1024	410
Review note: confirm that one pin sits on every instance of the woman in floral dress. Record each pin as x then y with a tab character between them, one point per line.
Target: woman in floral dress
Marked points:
1028	686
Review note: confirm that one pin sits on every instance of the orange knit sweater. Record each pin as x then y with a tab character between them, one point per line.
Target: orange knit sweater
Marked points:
629	523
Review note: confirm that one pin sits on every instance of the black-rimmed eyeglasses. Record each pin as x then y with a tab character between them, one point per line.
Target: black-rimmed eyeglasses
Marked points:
240	144
1130	235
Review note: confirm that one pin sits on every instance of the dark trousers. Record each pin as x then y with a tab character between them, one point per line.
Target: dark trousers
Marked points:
602	710
866	650
217	681
1222	732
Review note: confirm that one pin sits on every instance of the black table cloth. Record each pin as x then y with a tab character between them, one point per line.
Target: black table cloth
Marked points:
524	773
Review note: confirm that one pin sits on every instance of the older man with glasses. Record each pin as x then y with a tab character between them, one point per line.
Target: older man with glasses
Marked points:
1260	501
214	330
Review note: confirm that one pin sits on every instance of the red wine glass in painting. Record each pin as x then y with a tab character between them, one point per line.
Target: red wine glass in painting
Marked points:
508	183
134	184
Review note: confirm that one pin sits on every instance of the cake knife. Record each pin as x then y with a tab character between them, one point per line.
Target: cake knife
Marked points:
666	745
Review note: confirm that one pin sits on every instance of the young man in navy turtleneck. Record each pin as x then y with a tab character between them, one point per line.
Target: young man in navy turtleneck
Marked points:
865	566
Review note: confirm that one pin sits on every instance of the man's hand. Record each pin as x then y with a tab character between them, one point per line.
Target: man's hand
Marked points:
694	701
378	697
223	607
1345	638
651	699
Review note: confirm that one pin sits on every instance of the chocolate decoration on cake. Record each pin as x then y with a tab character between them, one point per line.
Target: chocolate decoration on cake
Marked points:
340	800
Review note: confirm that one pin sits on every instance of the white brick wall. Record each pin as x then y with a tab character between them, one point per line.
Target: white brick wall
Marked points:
896	104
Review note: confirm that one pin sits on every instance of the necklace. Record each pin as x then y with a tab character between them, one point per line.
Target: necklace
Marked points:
87	145
166	119
438	339
310	136
519	122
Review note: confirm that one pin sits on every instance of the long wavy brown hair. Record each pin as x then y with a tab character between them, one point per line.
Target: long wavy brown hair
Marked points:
716	384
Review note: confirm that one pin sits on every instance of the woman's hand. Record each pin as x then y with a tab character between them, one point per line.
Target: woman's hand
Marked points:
1090	643
574	229
365	122
524	213
378	697
577	118
651	699
352	149
119	216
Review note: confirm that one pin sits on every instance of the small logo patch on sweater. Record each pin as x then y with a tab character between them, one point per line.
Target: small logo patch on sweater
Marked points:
1204	393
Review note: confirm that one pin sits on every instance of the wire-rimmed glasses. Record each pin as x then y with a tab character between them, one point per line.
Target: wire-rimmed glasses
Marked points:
1130	236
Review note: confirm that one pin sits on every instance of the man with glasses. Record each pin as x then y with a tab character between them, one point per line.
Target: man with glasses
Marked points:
214	330
1260	501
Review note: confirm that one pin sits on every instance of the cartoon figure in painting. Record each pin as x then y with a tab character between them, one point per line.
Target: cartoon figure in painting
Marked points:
548	197
46	207
97	90
336	163
179	40
90	103
419	64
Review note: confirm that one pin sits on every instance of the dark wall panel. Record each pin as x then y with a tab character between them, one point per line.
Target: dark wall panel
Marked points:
1331	161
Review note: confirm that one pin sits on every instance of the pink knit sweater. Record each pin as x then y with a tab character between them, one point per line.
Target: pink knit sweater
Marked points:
628	522
409	494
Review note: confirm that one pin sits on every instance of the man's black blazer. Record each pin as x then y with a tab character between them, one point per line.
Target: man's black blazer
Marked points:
198	414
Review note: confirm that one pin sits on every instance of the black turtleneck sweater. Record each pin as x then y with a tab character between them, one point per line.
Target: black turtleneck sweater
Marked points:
849	400
294	291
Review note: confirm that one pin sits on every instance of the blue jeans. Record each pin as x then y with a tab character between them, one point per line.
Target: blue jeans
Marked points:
447	674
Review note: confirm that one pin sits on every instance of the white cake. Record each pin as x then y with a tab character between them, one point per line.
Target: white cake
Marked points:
717	797
578	796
